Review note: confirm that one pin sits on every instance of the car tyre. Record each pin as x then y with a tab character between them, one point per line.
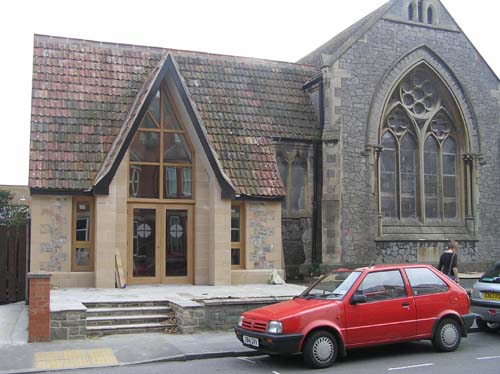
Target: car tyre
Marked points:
488	326
320	350
447	336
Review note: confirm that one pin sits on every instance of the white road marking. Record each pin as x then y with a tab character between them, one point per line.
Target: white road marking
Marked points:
487	358
411	367
246	359
275	372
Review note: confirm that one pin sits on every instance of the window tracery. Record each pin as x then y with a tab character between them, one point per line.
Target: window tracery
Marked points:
420	140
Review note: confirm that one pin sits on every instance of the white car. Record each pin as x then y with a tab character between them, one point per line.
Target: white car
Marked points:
485	300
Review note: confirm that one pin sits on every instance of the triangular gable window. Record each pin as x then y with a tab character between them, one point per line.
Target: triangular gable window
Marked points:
170	119
161	156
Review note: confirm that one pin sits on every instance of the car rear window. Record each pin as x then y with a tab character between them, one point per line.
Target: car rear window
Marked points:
492	275
424	282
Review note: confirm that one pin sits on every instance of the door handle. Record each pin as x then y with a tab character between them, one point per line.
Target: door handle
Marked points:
406	305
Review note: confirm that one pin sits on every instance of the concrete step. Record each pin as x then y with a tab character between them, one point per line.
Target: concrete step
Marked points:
131	329
125	304
133	310
129	319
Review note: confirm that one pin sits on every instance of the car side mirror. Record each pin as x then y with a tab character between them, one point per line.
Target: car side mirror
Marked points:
358	298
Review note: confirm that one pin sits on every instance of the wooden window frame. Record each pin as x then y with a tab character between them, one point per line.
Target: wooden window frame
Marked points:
161	130
241	244
82	244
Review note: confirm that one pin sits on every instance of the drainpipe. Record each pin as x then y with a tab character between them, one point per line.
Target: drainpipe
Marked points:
316	256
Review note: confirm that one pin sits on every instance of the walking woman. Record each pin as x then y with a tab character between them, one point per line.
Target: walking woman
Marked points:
448	262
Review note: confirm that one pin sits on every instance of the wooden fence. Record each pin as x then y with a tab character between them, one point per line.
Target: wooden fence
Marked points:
13	255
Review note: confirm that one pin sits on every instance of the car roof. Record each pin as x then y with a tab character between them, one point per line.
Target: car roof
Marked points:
392	267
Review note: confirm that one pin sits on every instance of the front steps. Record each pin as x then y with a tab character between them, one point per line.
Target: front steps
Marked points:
129	318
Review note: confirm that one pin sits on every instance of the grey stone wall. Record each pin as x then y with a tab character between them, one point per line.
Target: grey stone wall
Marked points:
68	325
296	225
297	235
367	63
216	314
429	252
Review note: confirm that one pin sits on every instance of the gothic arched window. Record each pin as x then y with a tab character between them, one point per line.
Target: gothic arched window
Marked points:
420	10
292	165
430	16
420	139
411	11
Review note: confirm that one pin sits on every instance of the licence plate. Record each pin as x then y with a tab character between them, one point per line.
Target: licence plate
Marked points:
491	295
250	341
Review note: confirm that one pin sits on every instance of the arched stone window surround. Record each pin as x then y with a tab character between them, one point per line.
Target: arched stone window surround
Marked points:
430	15
411	11
420	10
289	160
469	146
392	77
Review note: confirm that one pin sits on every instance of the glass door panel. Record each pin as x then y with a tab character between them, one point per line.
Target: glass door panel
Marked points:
144	243
176	244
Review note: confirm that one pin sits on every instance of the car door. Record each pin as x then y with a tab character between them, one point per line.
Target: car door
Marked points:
431	296
387	315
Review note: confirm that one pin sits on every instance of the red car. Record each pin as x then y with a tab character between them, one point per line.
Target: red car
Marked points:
347	309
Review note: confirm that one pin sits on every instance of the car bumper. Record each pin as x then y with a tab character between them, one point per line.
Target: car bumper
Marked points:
271	343
486	310
468	320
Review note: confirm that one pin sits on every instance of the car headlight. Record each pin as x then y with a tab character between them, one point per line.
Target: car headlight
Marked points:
275	327
240	321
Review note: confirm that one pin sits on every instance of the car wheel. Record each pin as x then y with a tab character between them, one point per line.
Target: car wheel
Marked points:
488	326
320	350
448	335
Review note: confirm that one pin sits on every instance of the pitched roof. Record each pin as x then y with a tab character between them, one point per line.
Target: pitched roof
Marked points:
337	46
243	104
84	94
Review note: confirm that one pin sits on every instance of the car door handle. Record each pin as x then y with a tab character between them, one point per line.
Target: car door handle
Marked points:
406	305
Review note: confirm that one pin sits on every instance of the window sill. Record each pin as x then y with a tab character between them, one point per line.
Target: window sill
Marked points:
438	231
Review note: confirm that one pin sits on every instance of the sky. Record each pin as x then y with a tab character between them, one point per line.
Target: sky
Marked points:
283	30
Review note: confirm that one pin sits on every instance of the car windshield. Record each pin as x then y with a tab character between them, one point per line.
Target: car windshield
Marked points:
492	275
333	285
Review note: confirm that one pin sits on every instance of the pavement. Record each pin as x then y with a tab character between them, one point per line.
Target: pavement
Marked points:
19	356
118	350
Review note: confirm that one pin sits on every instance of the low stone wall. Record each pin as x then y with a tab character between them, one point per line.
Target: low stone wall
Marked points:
68	325
193	316
429	251
216	314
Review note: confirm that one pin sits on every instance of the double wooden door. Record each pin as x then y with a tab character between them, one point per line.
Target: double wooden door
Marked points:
160	245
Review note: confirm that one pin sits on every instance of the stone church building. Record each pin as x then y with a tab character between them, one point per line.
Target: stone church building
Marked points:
379	146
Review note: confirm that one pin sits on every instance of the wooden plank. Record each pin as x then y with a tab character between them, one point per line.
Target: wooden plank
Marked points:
12	263
11	266
3	264
21	263
120	276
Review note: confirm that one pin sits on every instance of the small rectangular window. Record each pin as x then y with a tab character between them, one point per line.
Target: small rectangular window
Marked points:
237	235
82	256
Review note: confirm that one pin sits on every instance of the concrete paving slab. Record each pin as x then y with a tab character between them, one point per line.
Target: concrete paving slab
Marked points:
118	350
182	295
13	324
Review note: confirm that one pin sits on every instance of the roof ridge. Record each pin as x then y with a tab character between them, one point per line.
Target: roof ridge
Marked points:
173	51
348	34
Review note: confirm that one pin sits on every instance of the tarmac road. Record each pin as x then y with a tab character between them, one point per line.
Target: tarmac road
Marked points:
479	353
